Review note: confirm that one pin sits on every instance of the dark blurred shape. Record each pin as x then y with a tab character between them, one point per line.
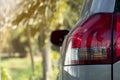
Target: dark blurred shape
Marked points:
58	36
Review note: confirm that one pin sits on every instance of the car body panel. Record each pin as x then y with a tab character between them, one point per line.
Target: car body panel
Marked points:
87	72
116	71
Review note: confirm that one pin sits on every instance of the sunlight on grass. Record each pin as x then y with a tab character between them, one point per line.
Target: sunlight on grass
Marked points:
20	68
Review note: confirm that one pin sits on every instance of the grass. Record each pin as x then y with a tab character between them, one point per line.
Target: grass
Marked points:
20	68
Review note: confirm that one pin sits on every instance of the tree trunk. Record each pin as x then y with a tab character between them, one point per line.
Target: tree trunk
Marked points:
30	49
47	68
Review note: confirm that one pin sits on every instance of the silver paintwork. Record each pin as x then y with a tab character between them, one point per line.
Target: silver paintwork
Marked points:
116	71
102	6
87	72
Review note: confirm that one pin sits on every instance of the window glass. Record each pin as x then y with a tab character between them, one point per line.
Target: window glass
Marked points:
96	6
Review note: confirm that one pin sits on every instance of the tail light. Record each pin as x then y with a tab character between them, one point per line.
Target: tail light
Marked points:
117	38
90	42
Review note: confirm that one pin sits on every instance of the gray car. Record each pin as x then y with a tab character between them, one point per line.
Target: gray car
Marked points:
91	51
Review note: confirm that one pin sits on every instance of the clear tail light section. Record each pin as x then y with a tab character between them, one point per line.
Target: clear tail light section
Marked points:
90	42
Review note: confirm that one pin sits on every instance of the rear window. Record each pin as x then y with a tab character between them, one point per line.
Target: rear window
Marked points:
97	6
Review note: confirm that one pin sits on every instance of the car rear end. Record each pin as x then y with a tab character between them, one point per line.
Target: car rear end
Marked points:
91	51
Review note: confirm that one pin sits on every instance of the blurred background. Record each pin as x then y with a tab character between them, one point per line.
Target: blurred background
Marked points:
26	52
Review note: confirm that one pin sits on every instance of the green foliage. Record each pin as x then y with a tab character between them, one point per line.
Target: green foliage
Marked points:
66	14
41	17
62	10
5	38
5	75
55	56
28	75
22	69
20	45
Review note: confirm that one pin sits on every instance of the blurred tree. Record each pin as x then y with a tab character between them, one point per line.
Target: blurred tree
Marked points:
35	15
66	14
35	19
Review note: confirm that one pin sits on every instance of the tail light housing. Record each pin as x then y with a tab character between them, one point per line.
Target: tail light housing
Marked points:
90	42
116	42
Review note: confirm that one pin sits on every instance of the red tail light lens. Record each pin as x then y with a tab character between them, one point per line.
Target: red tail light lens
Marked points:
90	42
117	37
